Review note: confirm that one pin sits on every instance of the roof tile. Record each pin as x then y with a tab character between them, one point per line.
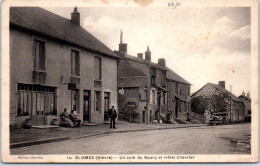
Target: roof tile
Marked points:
48	23
174	76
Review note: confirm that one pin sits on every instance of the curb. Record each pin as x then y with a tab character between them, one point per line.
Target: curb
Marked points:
58	139
128	131
43	141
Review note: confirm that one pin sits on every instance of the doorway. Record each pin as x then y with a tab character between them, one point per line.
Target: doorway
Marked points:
150	116
86	106
75	100
106	105
143	116
176	108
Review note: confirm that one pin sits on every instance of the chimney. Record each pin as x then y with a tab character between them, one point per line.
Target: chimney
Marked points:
75	17
140	55
161	61
148	54
243	93
222	84
122	46
248	95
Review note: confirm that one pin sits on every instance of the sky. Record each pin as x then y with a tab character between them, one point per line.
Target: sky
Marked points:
202	45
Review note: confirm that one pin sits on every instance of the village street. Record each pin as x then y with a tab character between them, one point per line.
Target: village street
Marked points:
226	139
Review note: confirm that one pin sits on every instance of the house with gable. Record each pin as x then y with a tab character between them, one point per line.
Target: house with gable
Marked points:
145	84
57	64
235	106
247	102
178	97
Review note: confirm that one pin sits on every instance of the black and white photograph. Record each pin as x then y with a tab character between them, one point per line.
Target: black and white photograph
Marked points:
130	82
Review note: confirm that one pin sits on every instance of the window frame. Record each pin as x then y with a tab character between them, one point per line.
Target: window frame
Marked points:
100	68
99	104
31	92
39	60
153	75
75	69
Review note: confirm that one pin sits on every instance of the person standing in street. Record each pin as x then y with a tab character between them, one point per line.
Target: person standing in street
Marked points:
112	115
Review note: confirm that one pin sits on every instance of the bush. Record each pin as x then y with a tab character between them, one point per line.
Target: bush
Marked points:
128	115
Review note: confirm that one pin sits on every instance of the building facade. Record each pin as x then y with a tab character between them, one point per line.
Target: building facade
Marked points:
56	64
145	84
247	102
235	106
178	97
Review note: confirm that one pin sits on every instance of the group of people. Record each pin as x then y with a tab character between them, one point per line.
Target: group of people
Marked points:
69	120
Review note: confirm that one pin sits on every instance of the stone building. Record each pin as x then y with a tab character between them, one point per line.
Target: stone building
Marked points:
237	111
247	102
178	96
56	64
144	84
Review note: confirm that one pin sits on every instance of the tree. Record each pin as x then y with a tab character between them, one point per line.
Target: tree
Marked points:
198	105
213	103
129	112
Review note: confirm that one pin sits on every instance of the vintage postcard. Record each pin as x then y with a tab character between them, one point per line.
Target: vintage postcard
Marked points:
132	81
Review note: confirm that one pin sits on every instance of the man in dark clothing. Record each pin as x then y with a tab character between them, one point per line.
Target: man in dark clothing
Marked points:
112	115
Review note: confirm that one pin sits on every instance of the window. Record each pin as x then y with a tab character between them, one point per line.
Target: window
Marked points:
176	88
163	78
185	107
98	101
152	97
97	66
188	91
39	55
35	100
75	66
163	98
153	75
